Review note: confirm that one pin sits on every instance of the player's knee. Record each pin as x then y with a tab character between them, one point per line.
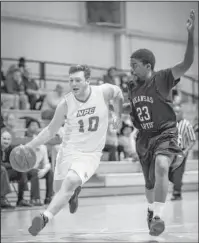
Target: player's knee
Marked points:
71	182
162	165
57	185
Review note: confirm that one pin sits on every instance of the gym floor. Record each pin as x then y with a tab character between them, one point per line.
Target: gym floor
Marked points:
106	219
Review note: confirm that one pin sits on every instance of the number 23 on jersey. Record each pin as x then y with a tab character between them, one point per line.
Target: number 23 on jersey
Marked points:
143	113
93	124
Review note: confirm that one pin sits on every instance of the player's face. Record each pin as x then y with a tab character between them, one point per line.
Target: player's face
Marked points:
6	139
138	69
78	83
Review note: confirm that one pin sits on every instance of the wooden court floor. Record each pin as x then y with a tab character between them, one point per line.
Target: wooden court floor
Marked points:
108	219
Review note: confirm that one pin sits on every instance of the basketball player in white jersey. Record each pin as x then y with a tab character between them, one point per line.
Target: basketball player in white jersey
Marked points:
85	111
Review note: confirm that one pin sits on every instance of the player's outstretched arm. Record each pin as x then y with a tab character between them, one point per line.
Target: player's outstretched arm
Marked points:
181	68
48	132
113	92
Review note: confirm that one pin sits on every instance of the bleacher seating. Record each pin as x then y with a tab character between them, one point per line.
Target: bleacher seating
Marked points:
112	178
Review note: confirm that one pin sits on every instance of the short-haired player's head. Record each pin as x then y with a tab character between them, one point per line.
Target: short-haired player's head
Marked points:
142	63
6	139
79	79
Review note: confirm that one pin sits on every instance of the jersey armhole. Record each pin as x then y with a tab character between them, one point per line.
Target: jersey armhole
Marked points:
102	93
160	94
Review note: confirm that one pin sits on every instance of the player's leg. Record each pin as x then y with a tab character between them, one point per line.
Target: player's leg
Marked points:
149	189
73	201
85	169
69	184
162	164
176	178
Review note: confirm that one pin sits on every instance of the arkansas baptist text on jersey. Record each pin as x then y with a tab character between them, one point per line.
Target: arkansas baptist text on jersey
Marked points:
151	109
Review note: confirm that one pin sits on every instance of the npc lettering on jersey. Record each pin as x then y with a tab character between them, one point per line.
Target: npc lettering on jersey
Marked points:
87	111
143	110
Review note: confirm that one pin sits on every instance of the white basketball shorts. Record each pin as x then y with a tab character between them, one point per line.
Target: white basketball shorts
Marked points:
84	164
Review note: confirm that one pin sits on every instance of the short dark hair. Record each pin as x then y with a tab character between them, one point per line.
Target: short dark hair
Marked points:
145	56
30	121
79	68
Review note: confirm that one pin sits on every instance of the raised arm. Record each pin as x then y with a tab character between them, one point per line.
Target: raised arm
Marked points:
181	68
49	132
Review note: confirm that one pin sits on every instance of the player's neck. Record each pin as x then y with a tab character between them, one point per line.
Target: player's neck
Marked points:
85	95
149	75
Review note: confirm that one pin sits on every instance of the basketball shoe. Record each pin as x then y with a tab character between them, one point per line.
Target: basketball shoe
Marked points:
73	202
157	226
149	217
38	223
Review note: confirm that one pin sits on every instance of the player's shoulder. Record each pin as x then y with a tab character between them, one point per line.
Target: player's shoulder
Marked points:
68	94
162	72
43	147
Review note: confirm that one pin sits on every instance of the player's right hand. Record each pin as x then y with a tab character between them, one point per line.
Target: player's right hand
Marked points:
191	22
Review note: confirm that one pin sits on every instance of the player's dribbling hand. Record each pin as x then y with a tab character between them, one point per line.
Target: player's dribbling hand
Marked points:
116	122
191	22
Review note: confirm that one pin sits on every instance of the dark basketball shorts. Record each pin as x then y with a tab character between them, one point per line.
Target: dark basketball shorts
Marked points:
149	146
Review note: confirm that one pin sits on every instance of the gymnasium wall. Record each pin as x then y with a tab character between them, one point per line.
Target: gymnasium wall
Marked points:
37	40
26	30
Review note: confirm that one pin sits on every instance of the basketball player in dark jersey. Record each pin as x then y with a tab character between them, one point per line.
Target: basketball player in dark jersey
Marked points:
155	120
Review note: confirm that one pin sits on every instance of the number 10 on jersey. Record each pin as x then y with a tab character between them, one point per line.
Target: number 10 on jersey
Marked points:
93	124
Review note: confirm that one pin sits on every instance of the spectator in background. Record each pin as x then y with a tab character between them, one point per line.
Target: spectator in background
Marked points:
127	142
15	85
3	80
21	178
35	95
111	140
51	101
186	140
42	169
22	65
8	100
5	189
112	77
10	124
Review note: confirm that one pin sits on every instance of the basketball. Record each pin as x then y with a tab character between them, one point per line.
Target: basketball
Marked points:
22	159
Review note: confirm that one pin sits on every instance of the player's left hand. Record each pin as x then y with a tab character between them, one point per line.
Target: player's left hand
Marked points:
116	122
191	22
41	173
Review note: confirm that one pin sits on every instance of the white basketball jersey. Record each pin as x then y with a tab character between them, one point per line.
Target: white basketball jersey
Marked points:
86	124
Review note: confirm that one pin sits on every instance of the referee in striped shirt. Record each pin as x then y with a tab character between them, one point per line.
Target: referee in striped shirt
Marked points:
186	140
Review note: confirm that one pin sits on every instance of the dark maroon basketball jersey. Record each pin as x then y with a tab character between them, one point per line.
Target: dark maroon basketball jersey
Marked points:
151	109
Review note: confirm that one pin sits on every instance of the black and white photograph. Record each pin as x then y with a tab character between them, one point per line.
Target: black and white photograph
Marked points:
99	121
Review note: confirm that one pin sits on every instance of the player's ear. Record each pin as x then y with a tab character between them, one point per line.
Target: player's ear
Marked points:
88	80
148	66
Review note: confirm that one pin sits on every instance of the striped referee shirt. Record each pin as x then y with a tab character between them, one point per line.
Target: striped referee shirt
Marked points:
186	134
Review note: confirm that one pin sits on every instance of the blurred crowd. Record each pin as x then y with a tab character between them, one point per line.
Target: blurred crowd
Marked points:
19	91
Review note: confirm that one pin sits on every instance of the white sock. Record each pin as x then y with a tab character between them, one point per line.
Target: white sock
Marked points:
158	209
151	206
48	214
